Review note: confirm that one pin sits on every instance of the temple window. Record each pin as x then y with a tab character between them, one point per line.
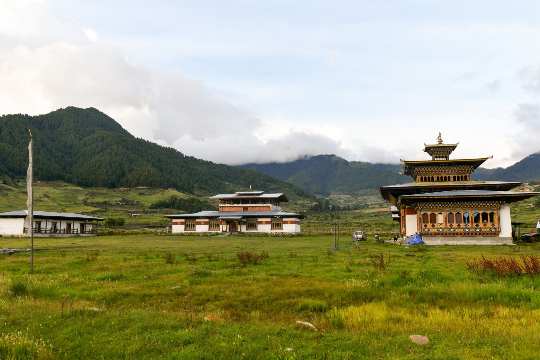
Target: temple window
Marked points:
213	225
466	217
190	225
451	218
476	217
492	217
440	218
433	218
459	218
425	218
485	217
251	224
277	224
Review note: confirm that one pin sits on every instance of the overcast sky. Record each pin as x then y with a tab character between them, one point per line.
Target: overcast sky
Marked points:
240	81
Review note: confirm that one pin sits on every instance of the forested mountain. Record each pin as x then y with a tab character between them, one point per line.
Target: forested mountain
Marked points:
87	147
330	174
526	170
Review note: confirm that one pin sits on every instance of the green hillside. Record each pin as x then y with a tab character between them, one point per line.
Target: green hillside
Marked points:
88	148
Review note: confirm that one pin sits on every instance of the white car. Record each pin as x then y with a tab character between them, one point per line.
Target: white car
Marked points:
358	236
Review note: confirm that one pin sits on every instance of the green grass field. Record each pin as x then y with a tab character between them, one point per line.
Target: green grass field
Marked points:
189	297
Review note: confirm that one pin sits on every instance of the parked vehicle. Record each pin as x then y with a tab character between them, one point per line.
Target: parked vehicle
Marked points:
532	237
358	236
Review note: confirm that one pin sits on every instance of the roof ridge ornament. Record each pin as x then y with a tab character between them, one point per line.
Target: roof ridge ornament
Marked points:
439	139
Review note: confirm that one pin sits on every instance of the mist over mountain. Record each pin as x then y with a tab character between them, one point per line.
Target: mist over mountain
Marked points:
327	174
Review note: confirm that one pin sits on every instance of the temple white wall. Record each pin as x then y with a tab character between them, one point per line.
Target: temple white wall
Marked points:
411	224
261	228
201	228
264	228
291	228
505	221
12	227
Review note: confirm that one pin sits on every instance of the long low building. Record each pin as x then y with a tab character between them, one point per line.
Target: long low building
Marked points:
13	223
252	211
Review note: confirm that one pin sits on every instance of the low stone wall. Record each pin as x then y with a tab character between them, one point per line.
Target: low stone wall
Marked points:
440	240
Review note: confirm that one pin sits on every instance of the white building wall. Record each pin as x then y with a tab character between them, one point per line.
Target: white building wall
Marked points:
291	228
261	228
201	228
175	228
411	224
264	228
506	221
12	227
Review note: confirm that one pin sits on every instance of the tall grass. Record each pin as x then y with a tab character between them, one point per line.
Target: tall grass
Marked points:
506	266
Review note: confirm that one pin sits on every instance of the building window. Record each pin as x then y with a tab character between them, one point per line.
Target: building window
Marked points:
492	217
190	225
251	225
433	218
485	217
38	226
466	218
476	217
459	218
425	218
54	227
450	218
277	224
213	225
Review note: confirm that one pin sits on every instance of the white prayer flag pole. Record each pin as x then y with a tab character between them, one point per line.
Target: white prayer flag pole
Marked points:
30	202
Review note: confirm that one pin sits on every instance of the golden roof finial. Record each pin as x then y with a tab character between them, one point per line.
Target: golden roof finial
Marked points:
439	138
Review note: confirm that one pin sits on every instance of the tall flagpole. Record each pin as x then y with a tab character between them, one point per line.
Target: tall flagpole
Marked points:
30	202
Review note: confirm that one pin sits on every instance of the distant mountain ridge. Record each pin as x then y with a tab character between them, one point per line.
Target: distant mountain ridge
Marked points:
87	147
526	170
331	174
328	174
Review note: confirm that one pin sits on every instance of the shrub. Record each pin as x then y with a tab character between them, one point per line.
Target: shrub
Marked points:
18	288
506	266
250	258
186	204
112	222
312	305
170	258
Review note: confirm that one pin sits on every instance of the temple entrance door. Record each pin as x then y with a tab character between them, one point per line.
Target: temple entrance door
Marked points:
233	227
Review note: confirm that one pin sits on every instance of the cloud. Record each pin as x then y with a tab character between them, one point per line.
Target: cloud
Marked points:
163	107
530	77
90	34
527	114
42	71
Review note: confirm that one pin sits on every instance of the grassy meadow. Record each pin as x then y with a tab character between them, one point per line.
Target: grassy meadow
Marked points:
191	297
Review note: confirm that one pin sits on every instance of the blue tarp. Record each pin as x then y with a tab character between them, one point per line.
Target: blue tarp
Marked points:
415	239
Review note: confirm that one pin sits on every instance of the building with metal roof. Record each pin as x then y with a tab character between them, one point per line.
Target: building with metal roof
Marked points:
45	223
244	211
446	206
